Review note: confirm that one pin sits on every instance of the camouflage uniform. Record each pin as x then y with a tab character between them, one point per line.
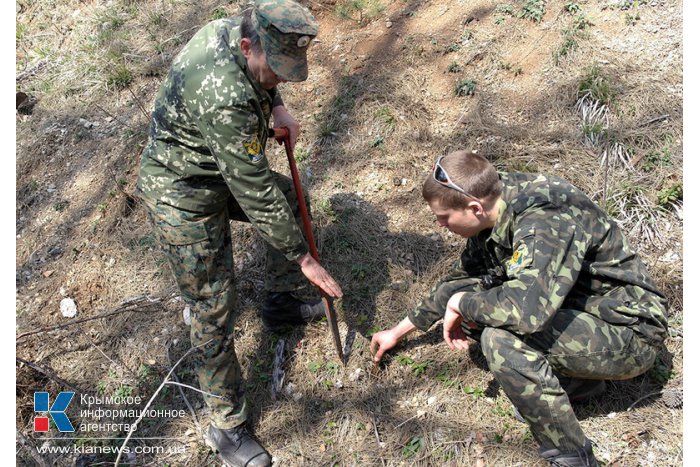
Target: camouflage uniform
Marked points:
205	164
555	291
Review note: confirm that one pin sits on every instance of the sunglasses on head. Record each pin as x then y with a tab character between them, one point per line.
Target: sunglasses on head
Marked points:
440	176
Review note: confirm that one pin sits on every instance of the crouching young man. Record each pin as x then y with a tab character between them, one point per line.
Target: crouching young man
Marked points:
550	288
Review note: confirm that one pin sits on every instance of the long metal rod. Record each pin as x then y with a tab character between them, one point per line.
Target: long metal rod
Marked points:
282	136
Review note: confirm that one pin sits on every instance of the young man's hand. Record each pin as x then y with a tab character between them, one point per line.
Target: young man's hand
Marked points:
452	325
284	119
383	341
318	276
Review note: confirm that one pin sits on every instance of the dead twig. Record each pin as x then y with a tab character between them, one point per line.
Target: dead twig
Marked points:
655	119
182	393
32	450
150	401
133	304
138	103
49	374
657	393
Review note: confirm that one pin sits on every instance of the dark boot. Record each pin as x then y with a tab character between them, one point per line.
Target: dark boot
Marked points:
282	308
237	447
582	457
580	390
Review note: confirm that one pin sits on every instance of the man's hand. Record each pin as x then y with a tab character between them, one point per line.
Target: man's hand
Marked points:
387	339
452	325
318	276
282	118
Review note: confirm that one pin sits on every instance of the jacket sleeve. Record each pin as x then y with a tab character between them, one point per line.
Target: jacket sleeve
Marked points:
548	252
465	275
232	133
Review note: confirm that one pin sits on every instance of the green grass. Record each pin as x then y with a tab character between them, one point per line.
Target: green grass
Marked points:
597	86
363	9
670	195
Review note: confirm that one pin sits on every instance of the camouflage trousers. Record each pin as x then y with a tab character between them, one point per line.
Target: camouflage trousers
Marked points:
529	368
198	248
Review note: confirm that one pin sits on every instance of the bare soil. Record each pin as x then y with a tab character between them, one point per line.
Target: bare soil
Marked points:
378	107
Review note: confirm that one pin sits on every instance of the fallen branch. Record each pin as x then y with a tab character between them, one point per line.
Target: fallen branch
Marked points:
657	393
32	450
49	374
654	120
132	304
150	401
182	393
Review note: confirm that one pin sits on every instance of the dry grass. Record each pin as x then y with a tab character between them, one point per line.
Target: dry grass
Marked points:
378	108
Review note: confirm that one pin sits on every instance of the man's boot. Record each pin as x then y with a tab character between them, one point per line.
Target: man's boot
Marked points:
582	457
237	447
580	390
282	308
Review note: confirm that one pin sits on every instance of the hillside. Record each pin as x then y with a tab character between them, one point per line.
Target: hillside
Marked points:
590	91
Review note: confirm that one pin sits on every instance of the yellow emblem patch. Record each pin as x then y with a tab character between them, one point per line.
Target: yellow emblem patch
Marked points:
518	257
254	149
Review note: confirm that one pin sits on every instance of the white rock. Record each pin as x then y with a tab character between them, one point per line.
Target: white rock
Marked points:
68	308
431	400
187	316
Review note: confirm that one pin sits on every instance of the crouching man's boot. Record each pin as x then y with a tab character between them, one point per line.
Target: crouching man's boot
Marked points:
282	308
582	457
237	447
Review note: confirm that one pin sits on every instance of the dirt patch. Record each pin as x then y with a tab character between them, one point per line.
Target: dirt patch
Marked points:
380	104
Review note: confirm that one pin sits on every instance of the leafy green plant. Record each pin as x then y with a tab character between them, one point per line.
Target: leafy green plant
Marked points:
61	205
413	447
473	391
632	18
533	10
465	87
454	67
505	9
219	13
670	195
300	154
314	366
572	7
453	47
656	159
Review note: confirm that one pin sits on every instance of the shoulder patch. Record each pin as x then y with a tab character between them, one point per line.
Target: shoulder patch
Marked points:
518	258
254	149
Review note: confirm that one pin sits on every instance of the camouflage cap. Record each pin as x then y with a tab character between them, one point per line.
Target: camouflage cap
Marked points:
286	29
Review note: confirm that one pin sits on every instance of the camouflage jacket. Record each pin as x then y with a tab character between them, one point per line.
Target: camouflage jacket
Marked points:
553	248
208	134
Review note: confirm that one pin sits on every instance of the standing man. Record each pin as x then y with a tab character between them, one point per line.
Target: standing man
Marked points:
548	285
204	164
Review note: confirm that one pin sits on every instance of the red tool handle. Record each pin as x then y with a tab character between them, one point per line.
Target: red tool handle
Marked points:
282	136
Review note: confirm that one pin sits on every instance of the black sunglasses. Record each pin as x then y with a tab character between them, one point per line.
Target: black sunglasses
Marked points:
440	176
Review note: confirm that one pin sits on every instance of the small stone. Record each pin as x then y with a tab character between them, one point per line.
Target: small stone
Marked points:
432	400
68	308
63	291
111	262
187	316
47	273
150	361
389	24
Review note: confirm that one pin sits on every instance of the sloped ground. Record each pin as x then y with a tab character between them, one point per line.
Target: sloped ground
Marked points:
592	92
